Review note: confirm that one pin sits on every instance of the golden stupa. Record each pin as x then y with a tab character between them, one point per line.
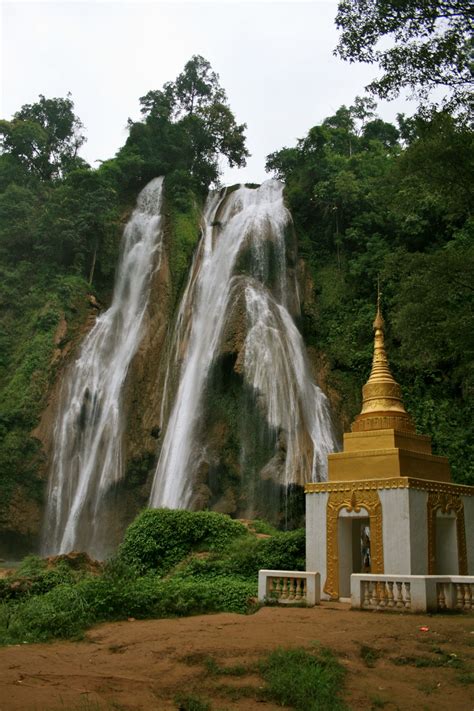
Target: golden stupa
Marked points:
383	441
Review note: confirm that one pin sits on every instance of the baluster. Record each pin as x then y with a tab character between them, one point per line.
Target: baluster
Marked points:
298	588
467	596
399	594
407	596
284	589
291	588
381	594
366	593
373	594
441	596
304	586
277	590
390	601
459	597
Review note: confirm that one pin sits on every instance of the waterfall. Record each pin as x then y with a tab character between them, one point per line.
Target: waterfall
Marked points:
243	258
87	460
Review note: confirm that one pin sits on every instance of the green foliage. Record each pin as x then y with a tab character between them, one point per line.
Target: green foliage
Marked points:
401	213
158	539
33	303
183	225
170	563
187	126
44	138
429	44
303	680
283	551
260	526
67	609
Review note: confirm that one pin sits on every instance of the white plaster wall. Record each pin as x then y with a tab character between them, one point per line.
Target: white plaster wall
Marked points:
468	502
396	531
418	531
316	535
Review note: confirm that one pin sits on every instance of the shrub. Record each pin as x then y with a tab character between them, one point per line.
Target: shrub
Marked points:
62	613
284	551
33	578
158	539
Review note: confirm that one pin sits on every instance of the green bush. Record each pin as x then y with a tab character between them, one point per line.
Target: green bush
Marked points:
158	539
284	551
67	610
59	613
33	578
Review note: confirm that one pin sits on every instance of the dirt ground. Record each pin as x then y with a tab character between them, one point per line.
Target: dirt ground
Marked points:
145	664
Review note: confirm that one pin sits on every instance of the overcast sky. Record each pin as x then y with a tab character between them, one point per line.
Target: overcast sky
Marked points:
274	59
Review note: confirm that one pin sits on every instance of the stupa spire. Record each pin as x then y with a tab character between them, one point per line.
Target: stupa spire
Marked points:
382	404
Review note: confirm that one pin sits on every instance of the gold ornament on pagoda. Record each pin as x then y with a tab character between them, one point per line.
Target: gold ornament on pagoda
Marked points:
383	441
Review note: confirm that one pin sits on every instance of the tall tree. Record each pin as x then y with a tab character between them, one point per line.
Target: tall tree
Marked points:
430	44
44	138
189	126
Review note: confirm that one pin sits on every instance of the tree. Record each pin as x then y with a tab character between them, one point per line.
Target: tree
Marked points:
44	138
188	125
432	44
78	226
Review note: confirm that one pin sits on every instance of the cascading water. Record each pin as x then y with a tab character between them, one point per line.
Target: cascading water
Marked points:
243	257
87	460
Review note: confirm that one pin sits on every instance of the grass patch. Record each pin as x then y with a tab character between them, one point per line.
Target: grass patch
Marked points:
304	680
466	677
369	655
442	659
189	702
235	693
236	670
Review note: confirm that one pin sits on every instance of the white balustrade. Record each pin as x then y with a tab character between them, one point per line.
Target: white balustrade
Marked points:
414	593
289	587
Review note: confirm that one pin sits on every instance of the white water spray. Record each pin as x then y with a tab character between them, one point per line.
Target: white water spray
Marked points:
87	460
274	362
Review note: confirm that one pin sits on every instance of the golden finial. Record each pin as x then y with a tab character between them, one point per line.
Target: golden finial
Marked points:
379	322
381	395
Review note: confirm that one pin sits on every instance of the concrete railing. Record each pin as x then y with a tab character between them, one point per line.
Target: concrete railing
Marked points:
289	586
457	593
414	593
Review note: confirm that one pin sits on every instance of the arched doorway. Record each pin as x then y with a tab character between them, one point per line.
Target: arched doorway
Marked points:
354	538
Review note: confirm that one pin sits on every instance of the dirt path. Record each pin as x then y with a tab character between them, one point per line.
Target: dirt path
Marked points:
145	664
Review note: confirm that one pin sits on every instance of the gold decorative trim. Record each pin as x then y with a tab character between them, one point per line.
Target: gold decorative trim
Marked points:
390	483
352	499
446	501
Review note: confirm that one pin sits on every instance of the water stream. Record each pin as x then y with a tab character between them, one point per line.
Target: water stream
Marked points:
87	459
243	255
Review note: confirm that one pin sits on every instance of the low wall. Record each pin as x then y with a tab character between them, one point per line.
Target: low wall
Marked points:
412	593
289	587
